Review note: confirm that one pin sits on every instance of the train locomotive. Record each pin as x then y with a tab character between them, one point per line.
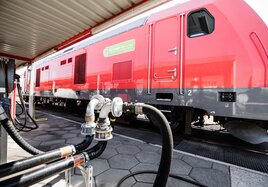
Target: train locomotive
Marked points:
193	59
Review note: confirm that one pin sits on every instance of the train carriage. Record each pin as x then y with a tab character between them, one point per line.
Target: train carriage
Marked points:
193	59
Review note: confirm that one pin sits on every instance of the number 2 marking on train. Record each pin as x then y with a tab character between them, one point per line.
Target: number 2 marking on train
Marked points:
189	92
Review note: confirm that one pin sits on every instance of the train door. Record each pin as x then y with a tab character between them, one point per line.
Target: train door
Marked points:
165	53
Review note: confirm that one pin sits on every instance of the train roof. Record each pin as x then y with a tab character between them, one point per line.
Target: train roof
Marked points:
96	38
135	23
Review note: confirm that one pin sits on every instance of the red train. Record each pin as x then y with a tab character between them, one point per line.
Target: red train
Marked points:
195	58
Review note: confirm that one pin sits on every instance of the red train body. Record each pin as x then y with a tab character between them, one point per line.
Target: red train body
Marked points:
206	56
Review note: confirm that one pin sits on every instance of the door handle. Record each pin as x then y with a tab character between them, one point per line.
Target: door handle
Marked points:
163	77
175	50
174	71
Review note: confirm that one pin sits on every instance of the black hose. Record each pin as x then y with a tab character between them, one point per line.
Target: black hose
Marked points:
30	149
40	174
18	139
18	114
167	144
16	166
48	157
84	144
155	172
25	110
97	150
54	168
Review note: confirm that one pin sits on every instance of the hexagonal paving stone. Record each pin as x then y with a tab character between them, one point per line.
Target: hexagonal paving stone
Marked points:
45	137
43	126
74	140
145	177
68	135
123	161
99	166
148	157
34	143
175	182
108	153
143	167
111	177
210	177
141	184
114	144
178	167
128	182
197	162
150	148
70	128
221	167
53	129
177	155
128	149
53	142
126	141
60	132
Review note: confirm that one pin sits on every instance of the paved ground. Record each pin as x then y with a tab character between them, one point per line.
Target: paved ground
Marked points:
124	155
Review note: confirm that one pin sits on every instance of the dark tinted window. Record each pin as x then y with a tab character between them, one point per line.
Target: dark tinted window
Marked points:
63	62
200	23
37	78
80	69
122	70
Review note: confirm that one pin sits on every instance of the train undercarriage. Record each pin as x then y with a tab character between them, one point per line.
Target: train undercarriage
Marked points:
181	119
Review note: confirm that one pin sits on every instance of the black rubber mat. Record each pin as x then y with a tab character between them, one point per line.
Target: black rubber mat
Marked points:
230	155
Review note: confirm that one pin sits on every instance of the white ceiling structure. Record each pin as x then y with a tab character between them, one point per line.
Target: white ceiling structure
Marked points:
36	28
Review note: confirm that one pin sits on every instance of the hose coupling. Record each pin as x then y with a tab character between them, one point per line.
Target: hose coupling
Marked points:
103	131
67	151
88	128
117	107
138	108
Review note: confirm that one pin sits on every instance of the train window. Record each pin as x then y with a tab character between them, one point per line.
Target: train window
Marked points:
42	68
80	69
122	70
63	62
47	67
69	60
200	23
37	78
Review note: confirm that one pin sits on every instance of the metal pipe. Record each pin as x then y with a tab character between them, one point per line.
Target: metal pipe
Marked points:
96	102
105	110
43	173
55	168
42	158
16	166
